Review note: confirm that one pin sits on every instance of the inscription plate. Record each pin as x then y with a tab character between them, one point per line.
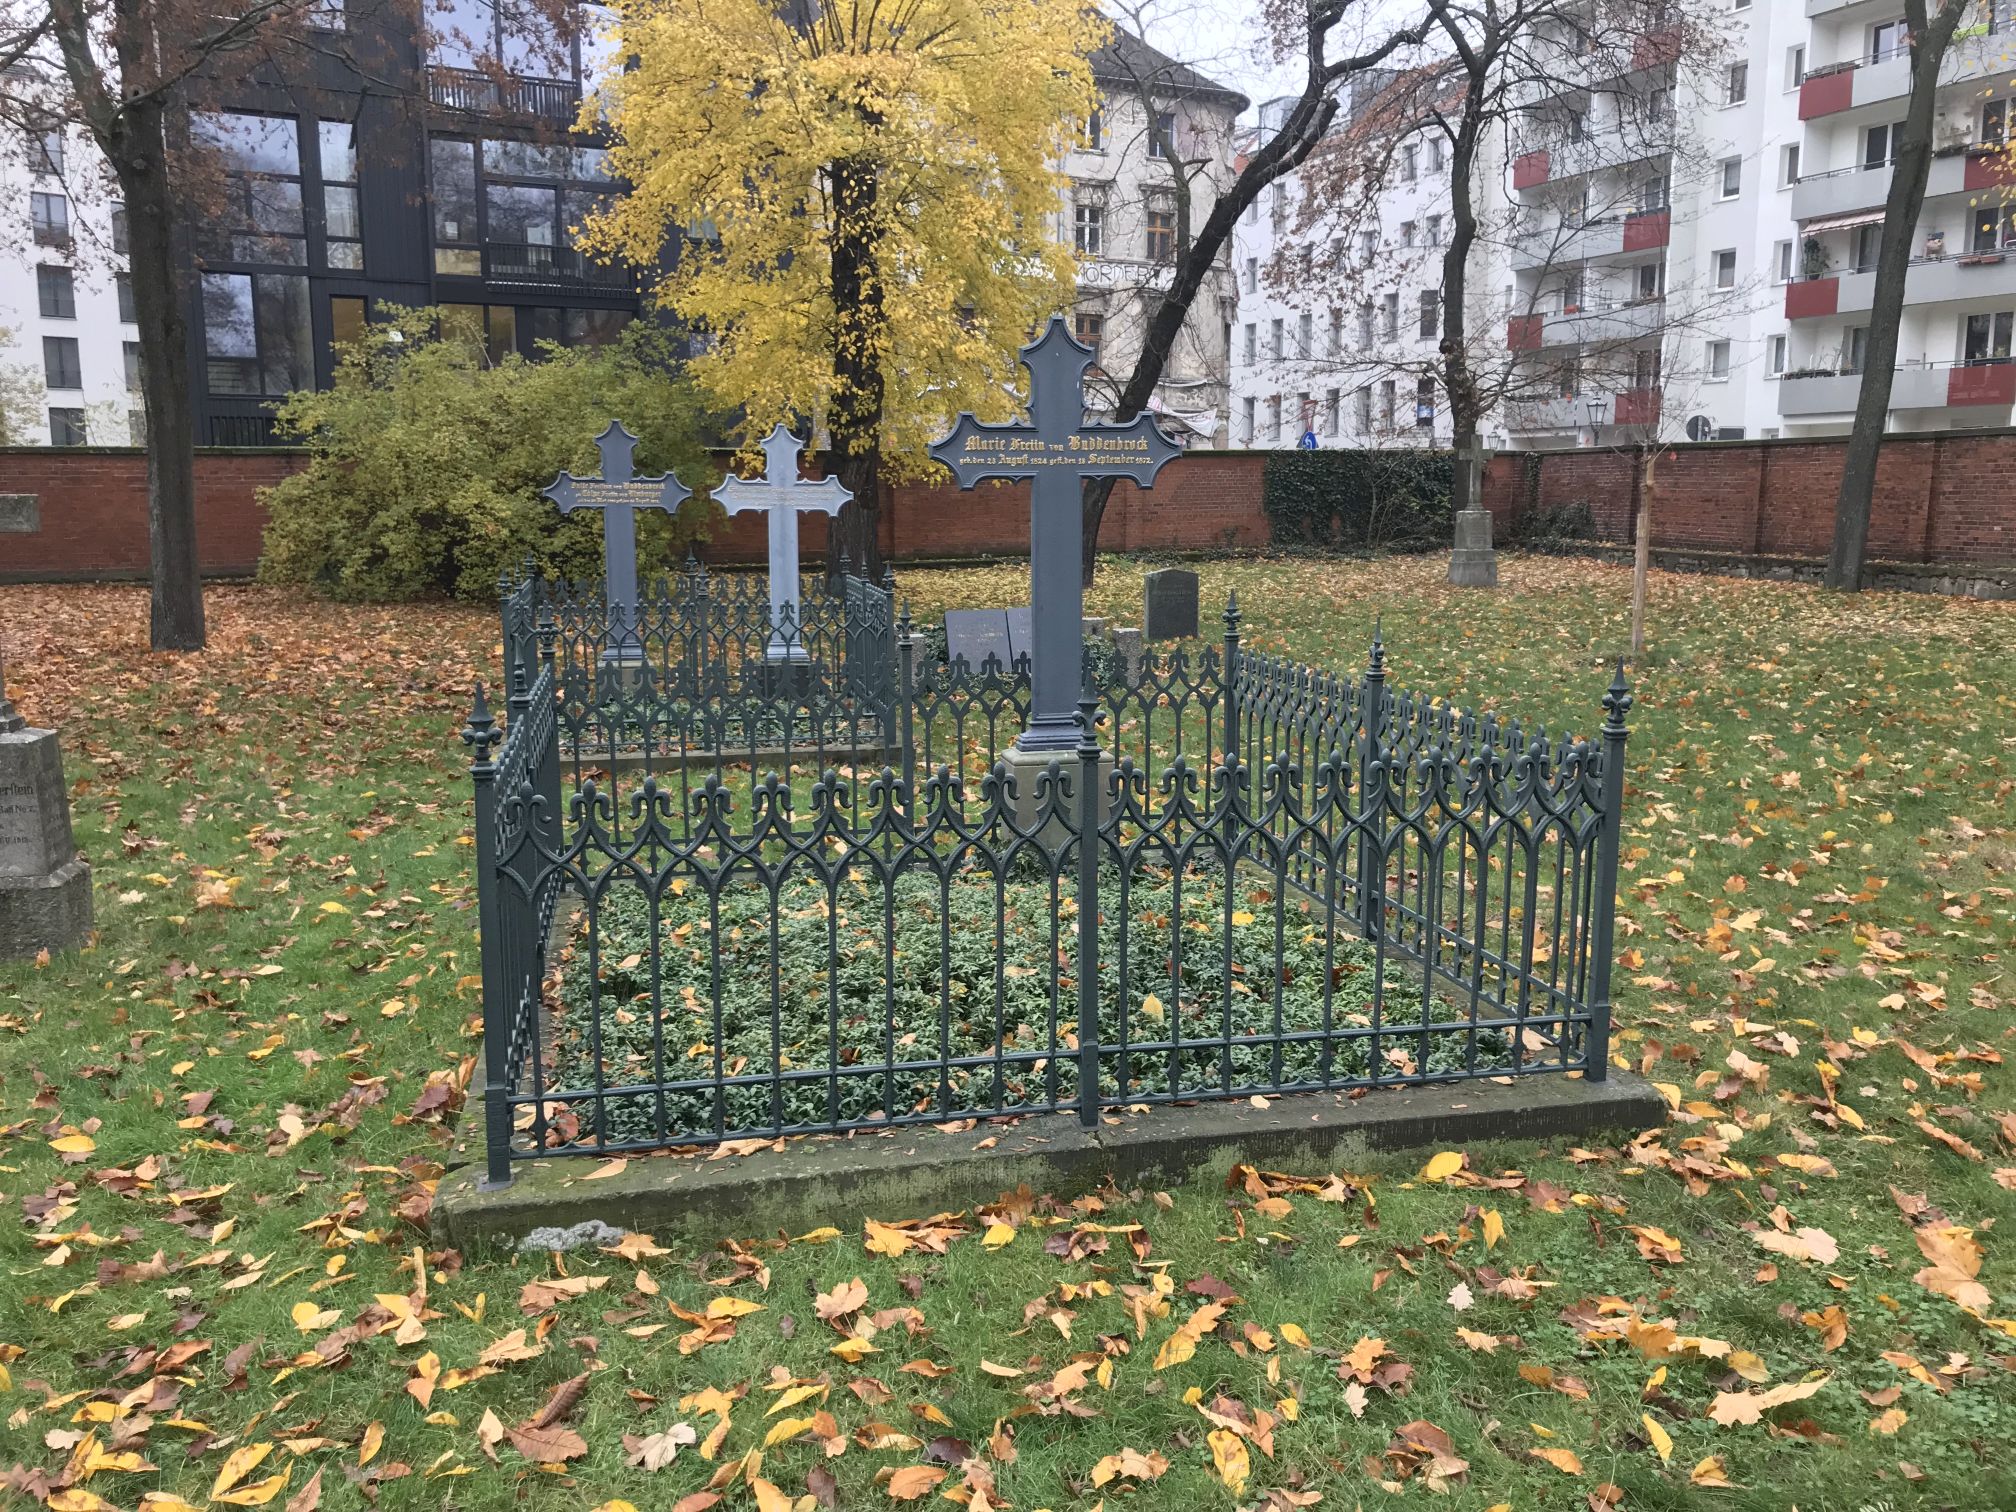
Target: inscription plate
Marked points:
20	514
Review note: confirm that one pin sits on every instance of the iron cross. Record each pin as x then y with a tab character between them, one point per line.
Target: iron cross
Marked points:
1056	450
619	494
781	494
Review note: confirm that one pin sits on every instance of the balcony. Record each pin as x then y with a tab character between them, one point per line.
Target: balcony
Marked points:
1558	162
1848	190
1886	80
1538	416
1922	386
514	264
1592	241
1590	325
1955	279
475	92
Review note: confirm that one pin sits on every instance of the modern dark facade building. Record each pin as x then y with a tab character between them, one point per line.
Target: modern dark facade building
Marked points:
428	159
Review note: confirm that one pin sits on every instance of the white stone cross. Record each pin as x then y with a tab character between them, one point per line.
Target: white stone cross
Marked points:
781	493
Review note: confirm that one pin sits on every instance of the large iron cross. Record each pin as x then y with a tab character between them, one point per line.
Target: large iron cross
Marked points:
1057	451
781	494
619	494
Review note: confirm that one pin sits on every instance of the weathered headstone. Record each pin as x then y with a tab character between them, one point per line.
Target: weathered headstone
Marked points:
1129	651
619	494
780	493
1057	451
1169	604
20	513
45	890
1474	561
976	634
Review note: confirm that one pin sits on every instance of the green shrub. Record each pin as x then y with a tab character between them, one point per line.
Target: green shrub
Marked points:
1555	528
1376	499
426	461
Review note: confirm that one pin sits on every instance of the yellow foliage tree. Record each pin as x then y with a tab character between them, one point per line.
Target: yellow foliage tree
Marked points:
860	200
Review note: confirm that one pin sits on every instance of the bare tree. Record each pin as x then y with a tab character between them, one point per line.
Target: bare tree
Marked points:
128	74
1331	40
1929	37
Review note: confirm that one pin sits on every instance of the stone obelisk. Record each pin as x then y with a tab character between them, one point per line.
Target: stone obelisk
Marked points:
45	890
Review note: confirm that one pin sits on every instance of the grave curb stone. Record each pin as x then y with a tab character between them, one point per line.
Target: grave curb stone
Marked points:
845	1179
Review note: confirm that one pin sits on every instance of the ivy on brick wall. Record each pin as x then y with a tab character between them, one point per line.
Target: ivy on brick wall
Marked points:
1376	499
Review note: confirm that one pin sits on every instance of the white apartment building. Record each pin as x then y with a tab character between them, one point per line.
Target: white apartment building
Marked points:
1162	135
1346	370
1955	341
65	301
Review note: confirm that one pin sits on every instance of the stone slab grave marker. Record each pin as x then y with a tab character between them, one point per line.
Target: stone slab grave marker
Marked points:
976	634
781	494
1057	451
45	890
1169	604
619	493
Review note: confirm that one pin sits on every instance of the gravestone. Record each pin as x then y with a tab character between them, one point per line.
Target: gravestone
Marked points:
1128	650
45	891
976	634
1169	607
619	494
780	493
1474	561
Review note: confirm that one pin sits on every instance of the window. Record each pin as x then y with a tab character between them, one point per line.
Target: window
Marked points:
1410	162
347	323
261	219
491	329
1089	326
256	337
452	166
130	351
1783	262
1659	104
1736	84
1092	134
1725	269
1424	401
55	293
1162	139
1732	177
1854	349
51	215
120	240
1434	154
595	328
1161	236
1868	247
1776	348
1088	229
1249	419
1365	324
1994	228
1406	233
122	285
1730	433
66	427
1336	344
1645	368
1788	168
1878	143
1652	280
1795	66
1389	324
481	35
1718	361
1274	333
1995	121
61	367
1388	397
1252	275
1368	245
1887	39
343	230
1305	414
45	152
1361	404
1434	227
1431	315
1655	194
1305	338
1330	412
1988	337
327	15
1274	417
1252	343
1277	204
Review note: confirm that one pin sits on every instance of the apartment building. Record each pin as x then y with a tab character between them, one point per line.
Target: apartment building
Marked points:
1150	163
394	170
1348	358
1955	341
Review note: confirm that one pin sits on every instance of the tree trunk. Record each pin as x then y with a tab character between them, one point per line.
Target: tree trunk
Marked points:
160	289
1457	378
1911	164
856	418
1641	555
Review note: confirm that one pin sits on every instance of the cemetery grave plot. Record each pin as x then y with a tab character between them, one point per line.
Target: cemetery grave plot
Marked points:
861	996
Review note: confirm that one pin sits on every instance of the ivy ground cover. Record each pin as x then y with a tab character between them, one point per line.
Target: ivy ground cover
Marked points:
219	1128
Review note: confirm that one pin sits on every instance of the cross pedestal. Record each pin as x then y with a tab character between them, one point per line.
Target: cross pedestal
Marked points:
1474	562
780	494
619	494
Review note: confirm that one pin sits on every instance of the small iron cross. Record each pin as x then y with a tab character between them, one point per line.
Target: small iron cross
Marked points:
1056	450
619	494
781	494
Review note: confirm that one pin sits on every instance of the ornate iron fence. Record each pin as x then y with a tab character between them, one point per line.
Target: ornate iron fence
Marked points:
1251	877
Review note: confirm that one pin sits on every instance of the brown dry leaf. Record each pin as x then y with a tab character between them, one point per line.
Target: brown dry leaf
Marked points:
607	1168
1956	1261
913	1481
1655	1244
1733	1407
1564	1460
1710	1472
1802	1244
553	1445
845	1299
1130	1464
1890	1421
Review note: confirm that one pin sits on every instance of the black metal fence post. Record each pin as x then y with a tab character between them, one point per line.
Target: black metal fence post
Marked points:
480	734
1234	765
547	776
1088	907
1371	806
906	686
1616	704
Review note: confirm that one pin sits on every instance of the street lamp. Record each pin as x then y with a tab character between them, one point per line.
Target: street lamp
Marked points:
1595	404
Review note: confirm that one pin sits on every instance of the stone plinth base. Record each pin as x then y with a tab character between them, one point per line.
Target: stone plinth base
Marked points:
1474	563
45	913
45	891
1028	767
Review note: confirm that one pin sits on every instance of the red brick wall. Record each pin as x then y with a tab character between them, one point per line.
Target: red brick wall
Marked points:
92	504
1940	498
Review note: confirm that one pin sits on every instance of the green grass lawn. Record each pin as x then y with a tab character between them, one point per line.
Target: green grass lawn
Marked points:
220	1125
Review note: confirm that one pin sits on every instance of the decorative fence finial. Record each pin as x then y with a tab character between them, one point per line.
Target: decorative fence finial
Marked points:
480	733
1617	702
